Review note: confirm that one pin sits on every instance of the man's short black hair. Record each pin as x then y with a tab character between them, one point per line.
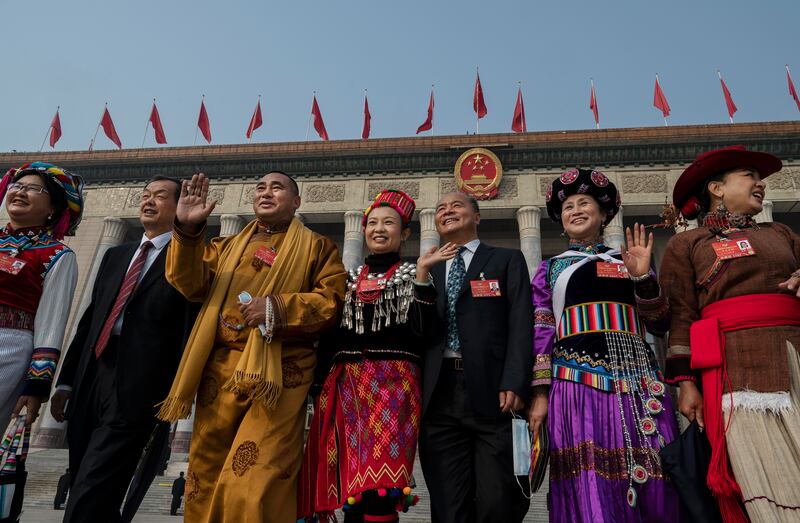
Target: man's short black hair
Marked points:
295	187
472	201
159	178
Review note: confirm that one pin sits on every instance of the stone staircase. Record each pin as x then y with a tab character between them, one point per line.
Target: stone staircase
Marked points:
46	466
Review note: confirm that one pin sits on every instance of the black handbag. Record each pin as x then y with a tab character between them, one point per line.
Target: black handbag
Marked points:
686	461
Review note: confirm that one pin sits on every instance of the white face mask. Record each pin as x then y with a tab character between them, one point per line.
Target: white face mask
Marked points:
522	446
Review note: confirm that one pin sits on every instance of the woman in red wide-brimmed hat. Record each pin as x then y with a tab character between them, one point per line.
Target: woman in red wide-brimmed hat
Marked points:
733	286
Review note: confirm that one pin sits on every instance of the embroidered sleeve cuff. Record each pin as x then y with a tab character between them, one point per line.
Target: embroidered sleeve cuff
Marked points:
543	317
41	372
542	370
678	368
279	311
651	309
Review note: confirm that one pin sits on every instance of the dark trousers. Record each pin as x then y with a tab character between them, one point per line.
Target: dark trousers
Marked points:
176	504
467	460
104	447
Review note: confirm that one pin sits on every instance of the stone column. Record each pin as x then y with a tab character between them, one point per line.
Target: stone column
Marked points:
428	237
51	434
614	234
530	236
183	435
353	252
766	213
230	224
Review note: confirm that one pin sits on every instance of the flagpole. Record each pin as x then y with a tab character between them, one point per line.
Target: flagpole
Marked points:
475	97
365	104
432	119
310	113
662	112
59	107
594	97
719	74
202	101
147	125
91	144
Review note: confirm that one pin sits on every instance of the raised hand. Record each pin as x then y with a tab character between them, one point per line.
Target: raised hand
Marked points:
193	205
434	255
638	250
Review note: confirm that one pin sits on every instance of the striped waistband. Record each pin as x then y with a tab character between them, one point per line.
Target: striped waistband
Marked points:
12	318
603	316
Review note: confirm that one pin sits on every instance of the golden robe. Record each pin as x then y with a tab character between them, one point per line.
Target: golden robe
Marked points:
245	457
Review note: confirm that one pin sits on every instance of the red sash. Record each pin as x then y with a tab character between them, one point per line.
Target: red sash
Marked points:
707	340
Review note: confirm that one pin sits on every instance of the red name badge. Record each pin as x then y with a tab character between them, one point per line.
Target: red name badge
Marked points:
11	265
611	270
372	285
266	255
485	288
732	249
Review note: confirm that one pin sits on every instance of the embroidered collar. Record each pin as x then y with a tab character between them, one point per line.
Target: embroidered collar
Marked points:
31	232
591	247
723	221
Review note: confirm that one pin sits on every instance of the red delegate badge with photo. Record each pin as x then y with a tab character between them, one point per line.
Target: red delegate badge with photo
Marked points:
11	265
732	249
485	288
266	255
611	270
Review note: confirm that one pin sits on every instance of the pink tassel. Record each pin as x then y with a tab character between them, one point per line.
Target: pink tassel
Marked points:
4	182
62	226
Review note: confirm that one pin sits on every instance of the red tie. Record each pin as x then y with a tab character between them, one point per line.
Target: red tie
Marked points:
128	286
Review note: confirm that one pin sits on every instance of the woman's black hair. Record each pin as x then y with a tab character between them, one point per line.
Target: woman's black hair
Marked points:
704	195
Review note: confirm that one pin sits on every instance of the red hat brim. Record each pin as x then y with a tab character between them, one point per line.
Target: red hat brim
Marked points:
718	161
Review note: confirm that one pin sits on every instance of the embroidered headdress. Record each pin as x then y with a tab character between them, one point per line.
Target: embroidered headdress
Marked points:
67	223
582	181
397	200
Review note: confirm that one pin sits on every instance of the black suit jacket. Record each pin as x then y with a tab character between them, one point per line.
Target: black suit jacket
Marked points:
496	334
155	327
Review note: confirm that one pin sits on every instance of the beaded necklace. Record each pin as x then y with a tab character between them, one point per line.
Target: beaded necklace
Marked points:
390	292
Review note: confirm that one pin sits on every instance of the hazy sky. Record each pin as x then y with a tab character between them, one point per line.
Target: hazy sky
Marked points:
81	54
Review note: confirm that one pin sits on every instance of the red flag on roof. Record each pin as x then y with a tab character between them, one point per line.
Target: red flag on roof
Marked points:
659	100
518	122
792	91
155	121
255	120
478	105
593	106
55	129
108	128
728	98
202	121
319	125
427	125
367	119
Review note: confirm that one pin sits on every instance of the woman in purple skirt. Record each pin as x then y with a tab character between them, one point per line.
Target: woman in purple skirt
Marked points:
595	374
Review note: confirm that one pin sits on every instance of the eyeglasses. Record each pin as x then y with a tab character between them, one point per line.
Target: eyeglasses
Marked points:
27	187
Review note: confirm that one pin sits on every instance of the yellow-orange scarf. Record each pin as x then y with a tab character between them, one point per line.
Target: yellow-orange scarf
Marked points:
258	373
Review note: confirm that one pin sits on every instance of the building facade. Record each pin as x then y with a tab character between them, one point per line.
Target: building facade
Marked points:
338	179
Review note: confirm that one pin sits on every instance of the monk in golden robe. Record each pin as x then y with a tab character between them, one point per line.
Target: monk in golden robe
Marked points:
267	292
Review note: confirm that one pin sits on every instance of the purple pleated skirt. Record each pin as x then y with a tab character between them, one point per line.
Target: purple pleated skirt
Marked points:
588	467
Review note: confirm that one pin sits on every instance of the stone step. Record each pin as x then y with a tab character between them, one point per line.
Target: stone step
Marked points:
46	466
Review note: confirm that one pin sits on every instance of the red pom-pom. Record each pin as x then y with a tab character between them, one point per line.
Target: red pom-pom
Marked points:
415	500
381	492
358	498
691	208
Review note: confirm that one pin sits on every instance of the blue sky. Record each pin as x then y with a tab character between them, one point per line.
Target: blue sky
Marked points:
80	54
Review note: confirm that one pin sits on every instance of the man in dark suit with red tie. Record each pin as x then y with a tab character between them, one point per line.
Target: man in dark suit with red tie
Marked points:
122	361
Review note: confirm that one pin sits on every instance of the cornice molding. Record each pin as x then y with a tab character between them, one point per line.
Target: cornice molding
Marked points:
364	158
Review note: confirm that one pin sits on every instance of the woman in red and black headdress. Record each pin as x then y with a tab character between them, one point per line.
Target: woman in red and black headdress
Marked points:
38	274
733	289
363	439
596	384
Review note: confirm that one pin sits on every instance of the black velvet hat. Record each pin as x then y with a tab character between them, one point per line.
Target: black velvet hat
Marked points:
582	181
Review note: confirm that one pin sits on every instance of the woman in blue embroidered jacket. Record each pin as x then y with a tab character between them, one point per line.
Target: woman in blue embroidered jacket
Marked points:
594	372
38	274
